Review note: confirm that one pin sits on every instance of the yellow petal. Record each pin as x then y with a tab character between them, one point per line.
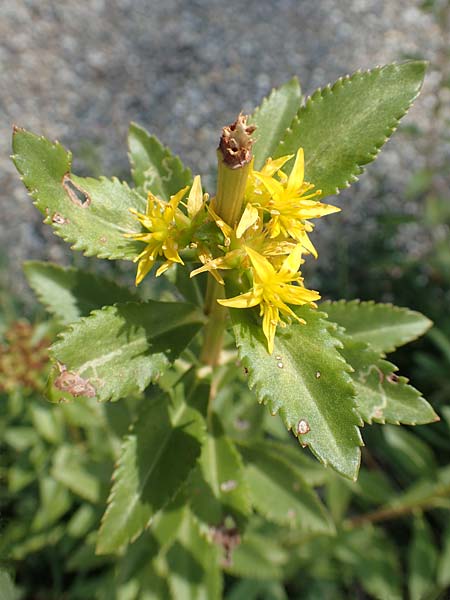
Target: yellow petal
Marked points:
272	166
195	198
271	318
261	266
292	262
171	251
249	218
224	227
298	295
298	172
163	268
144	266
246	300
274	187
175	199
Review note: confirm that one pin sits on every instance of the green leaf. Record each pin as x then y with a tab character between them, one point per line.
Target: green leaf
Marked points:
412	456
310	470
154	464
154	167
8	591
258	556
430	492
381	395
219	489
193	564
342	127
119	350
383	326
55	501
69	470
272	119
374	561
91	214
280	494
422	560
443	575
71	293
251	589
306	381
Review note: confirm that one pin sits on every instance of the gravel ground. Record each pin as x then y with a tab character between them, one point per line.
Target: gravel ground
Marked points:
79	71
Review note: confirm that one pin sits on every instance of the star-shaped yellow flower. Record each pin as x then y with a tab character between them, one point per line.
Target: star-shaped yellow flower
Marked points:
288	200
166	226
273	290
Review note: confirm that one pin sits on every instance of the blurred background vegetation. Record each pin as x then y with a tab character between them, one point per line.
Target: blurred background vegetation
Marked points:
80	72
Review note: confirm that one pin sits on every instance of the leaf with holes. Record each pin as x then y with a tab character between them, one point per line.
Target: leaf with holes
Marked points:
381	395
155	461
280	494
91	214
306	380
342	127
383	326
219	488
71	293
119	350
272	119
154	167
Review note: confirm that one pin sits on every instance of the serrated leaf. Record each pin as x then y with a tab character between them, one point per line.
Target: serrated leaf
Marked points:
374	561
119	350
250	589
69	470
306	381
155	461
422	560
220	489
272	119
383	326
8	590
381	395
91	214
194	564
280	494
309	469
443	572
258	556
71	293
153	166
412	456
342	127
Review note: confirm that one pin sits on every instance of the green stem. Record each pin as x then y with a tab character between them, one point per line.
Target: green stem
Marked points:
234	164
214	330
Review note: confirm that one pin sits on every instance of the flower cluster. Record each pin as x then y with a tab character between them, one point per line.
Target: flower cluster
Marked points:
265	247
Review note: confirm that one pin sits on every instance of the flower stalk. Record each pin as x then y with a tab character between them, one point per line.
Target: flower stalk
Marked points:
234	157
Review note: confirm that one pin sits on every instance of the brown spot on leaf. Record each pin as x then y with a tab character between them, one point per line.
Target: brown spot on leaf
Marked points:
73	384
103	239
392	378
303	427
58	219
76	193
228	538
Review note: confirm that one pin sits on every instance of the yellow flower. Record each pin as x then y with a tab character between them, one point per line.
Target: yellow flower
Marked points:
273	290
288	200
166	226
